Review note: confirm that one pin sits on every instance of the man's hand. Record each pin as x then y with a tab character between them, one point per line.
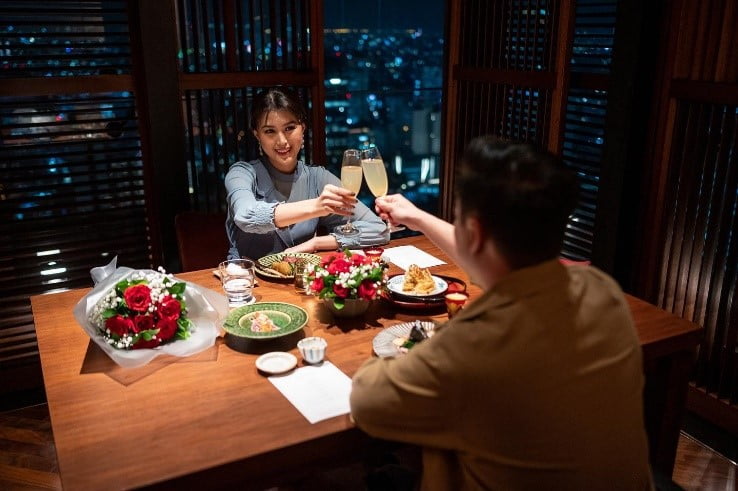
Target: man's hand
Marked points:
396	209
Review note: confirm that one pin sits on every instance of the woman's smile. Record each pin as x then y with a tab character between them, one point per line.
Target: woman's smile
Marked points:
280	136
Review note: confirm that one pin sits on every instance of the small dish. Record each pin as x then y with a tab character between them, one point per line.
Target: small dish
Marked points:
276	362
263	264
384	342
286	317
395	286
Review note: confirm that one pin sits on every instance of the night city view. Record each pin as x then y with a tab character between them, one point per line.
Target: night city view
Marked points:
384	87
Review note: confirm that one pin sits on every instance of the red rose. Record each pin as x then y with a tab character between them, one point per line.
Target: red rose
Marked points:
119	325
138	297
142	343
367	289
340	265
169	308
167	328
317	284
143	323
328	259
359	259
340	291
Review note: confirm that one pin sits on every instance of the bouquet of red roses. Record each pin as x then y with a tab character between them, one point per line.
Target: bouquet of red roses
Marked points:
145	310
343	275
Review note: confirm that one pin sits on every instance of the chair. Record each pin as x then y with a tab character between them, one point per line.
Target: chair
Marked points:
201	239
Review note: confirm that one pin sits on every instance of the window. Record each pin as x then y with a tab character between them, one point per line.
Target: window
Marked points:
71	174
383	86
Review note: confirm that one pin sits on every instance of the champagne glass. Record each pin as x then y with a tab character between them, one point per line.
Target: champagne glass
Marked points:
350	179
376	176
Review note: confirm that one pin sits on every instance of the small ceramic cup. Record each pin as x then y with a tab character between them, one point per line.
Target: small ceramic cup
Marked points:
374	253
312	349
455	302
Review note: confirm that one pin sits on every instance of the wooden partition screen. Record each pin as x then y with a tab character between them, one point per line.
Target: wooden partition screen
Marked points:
507	75
229	50
690	262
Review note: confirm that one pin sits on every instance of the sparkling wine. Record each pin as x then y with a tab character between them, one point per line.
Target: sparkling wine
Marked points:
351	177
376	176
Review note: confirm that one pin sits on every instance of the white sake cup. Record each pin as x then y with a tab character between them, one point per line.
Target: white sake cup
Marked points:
312	349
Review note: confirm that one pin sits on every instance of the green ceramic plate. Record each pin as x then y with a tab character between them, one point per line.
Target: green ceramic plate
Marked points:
262	264
287	317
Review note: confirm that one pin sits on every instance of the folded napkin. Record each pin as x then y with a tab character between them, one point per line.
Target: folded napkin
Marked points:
404	256
318	391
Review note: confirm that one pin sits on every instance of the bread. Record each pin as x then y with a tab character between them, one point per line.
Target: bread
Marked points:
418	280
282	267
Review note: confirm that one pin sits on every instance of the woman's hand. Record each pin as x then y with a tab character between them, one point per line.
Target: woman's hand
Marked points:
314	244
336	200
306	246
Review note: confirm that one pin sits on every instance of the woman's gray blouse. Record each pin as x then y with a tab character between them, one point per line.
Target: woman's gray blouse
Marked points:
251	196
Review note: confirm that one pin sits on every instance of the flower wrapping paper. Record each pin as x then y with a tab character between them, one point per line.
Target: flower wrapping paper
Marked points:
206	310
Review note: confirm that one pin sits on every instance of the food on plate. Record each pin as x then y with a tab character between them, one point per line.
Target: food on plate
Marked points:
261	322
417	334
282	267
418	280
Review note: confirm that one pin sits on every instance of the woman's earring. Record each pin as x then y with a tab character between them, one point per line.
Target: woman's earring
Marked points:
261	152
303	144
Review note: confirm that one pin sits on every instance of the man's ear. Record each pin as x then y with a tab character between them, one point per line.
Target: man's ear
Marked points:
474	233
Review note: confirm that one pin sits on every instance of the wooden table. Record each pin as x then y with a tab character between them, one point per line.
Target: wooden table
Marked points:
213	420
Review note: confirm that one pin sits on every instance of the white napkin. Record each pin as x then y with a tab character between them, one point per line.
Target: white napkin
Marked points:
404	256
318	391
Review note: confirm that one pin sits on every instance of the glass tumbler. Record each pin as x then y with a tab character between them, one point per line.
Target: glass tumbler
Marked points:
299	271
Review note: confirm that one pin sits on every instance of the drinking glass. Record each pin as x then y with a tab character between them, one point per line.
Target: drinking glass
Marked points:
376	176
351	180
237	276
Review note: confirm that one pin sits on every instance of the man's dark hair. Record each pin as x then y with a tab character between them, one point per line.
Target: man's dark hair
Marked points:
522	195
276	99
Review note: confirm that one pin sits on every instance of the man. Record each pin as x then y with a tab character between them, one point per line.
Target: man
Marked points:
538	383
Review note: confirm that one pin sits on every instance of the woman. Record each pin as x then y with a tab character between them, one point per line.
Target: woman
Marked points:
277	202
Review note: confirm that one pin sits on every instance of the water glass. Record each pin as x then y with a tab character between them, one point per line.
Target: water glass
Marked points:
237	276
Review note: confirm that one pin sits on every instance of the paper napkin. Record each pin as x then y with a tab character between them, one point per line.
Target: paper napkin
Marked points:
318	391
404	256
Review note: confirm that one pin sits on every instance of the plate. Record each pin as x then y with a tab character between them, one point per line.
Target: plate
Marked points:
395	286
267	261
383	343
424	303
276	362
289	318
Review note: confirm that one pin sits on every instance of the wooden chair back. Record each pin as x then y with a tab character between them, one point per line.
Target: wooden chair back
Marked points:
201	239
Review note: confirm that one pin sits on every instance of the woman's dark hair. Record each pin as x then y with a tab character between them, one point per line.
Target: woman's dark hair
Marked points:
276	99
522	195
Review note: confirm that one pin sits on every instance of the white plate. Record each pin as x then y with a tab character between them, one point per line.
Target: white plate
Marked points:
383	343
395	285
276	362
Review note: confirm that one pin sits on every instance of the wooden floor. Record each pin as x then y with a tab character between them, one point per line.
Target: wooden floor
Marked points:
699	467
28	456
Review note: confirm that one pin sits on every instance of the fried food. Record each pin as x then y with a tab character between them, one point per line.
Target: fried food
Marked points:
418	280
282	267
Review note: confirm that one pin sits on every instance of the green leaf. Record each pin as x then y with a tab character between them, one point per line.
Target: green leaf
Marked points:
339	303
177	288
148	334
184	326
108	313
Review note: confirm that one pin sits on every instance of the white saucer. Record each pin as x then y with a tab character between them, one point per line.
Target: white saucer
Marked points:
276	362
